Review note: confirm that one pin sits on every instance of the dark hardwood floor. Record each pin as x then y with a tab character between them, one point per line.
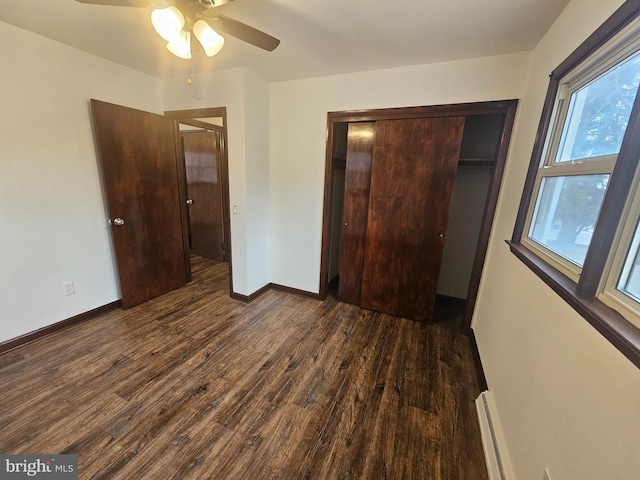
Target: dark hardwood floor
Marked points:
197	385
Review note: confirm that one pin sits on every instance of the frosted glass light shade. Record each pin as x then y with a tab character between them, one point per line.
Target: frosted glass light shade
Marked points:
210	40
168	22
181	45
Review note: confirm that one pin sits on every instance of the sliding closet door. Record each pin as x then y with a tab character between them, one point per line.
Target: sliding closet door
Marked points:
360	137
414	167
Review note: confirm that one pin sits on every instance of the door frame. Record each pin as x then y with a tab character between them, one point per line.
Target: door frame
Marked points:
190	117
506	107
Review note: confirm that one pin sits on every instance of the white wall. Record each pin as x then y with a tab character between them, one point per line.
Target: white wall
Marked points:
565	397
246	97
52	216
52	208
465	220
256	114
52	213
298	140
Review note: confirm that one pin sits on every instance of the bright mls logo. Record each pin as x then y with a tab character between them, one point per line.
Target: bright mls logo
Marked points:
50	467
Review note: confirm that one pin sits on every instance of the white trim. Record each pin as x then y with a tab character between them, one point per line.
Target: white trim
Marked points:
621	304
625	243
556	260
623	45
563	265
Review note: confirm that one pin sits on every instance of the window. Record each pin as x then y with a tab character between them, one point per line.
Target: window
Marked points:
590	118
578	226
620	287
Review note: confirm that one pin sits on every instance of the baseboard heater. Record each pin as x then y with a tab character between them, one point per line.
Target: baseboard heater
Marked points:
495	453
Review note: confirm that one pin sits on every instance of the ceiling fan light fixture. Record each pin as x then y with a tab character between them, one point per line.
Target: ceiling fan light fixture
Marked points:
168	22
210	40
181	45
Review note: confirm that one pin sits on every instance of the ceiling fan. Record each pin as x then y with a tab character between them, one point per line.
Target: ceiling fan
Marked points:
175	20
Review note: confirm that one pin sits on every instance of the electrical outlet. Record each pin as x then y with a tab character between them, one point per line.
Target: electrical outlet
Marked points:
547	475
68	288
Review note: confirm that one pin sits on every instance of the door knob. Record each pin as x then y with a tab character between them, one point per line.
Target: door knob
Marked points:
189	202
118	221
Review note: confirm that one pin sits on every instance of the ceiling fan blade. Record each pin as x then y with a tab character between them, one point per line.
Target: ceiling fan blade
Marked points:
118	3
240	30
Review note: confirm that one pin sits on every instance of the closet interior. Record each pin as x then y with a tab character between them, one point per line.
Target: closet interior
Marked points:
410	206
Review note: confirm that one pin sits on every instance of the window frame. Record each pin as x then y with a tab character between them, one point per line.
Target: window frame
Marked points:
560	263
626	241
581	292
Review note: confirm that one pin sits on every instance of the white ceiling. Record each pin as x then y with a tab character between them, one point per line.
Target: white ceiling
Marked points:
318	37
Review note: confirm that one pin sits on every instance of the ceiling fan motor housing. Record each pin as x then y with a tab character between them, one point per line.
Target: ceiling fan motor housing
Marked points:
213	3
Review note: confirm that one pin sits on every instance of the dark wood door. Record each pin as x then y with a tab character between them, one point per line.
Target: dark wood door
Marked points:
414	167
137	154
201	158
360	138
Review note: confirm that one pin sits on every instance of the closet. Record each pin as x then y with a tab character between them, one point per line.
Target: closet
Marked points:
390	198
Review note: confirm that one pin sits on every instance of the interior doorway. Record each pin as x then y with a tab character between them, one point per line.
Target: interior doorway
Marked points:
201	139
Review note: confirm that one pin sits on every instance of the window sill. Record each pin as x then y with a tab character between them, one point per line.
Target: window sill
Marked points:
613	326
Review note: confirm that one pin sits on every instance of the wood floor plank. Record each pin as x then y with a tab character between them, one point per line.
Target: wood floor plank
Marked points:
196	385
